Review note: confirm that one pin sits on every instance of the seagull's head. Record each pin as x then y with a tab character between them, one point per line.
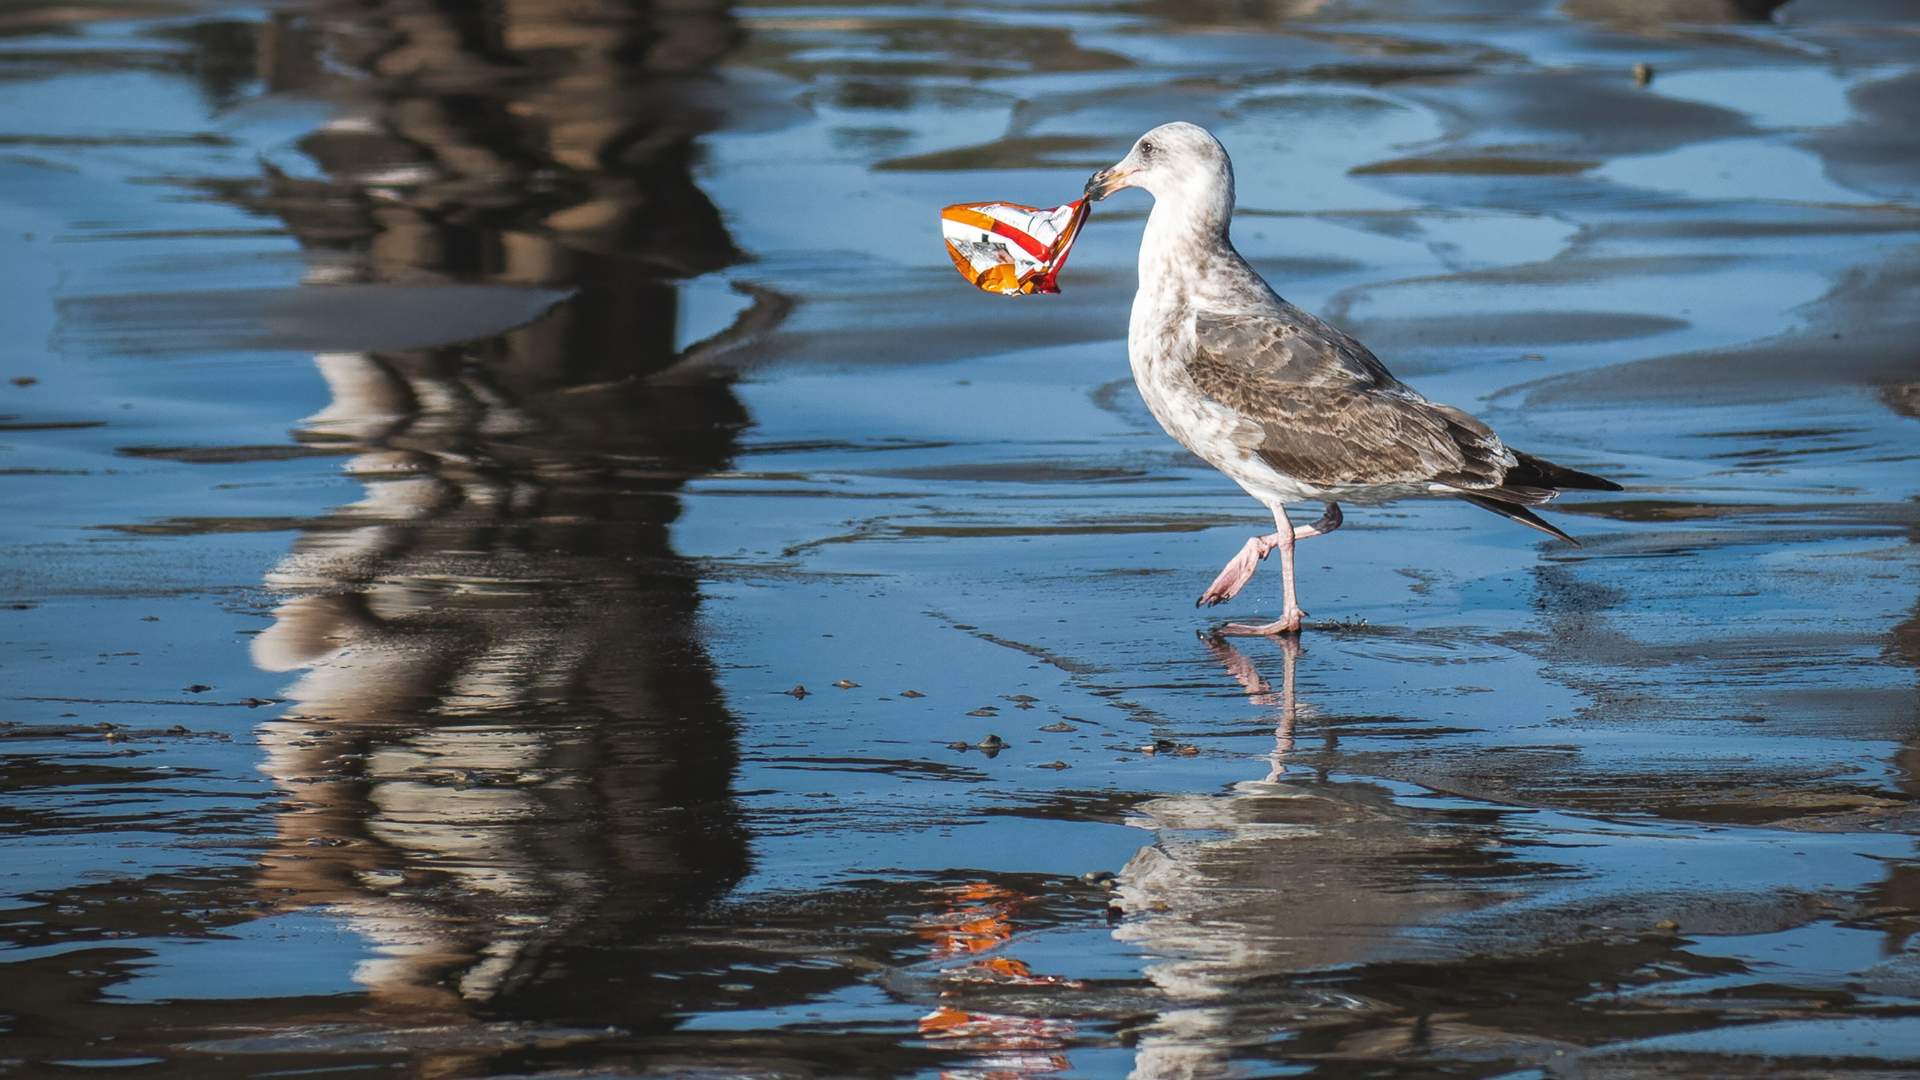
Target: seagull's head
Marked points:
1179	163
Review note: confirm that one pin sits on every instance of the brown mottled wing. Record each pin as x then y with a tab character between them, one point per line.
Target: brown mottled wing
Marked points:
1290	346
1338	435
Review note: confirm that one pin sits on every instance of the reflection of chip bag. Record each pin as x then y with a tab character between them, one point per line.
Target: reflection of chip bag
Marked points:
1011	249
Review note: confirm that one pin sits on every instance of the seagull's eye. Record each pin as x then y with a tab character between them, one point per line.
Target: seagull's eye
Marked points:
1146	149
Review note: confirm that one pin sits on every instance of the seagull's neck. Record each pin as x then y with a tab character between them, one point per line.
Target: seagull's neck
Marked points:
1183	242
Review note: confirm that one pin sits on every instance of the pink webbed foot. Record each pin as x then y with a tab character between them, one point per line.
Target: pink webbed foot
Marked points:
1287	624
1237	573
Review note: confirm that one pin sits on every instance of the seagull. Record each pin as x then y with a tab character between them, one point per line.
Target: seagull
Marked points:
1290	408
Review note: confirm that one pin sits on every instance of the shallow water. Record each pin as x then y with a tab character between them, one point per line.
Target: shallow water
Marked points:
454	458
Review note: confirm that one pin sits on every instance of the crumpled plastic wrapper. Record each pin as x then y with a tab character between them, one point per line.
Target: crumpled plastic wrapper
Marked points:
1015	250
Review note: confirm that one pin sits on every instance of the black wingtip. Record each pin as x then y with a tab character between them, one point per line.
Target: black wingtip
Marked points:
1516	512
1531	471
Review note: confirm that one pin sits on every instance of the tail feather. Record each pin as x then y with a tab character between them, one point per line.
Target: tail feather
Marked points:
1533	472
1516	512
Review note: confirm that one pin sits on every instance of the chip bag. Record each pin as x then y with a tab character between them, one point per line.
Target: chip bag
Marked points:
1016	250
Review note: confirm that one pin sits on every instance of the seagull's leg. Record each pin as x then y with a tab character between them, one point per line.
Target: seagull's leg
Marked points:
1330	519
1289	621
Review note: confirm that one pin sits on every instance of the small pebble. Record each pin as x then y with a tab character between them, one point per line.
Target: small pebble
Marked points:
1055	765
1666	924
846	684
911	693
1060	726
23	381
198	688
1095	877
983	712
798	692
1018	697
992	742
1642	73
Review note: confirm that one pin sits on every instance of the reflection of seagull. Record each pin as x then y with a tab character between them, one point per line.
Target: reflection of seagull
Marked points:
1260	692
1287	406
1244	891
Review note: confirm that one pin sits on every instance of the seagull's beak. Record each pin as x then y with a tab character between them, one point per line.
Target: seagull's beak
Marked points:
1107	181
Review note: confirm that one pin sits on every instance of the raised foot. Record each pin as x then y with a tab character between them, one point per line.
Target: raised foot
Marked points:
1286	624
1236	574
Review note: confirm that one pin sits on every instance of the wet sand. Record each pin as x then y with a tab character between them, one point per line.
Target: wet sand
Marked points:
518	543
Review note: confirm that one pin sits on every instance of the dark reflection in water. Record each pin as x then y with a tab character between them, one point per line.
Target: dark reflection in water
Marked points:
1656	13
507	747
